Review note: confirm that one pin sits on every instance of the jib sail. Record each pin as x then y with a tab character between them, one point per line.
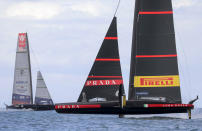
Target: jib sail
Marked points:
42	96
105	76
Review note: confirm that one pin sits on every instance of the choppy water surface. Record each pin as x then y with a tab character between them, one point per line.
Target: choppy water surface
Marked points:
52	121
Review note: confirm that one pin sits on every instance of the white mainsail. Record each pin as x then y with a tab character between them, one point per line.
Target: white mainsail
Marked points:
22	86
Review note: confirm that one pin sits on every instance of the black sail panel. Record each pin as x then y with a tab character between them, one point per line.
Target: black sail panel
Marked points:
105	76
154	72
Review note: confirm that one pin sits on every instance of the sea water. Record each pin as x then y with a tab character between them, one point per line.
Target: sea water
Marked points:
52	121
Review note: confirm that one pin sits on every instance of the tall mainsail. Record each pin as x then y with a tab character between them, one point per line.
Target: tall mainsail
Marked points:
22	87
42	96
154	70
105	76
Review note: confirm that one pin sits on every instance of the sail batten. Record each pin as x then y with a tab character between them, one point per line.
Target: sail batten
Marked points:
155	56
106	59
104	76
155	12
103	81
111	38
154	74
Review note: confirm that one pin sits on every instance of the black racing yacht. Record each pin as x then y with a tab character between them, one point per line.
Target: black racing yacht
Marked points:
154	85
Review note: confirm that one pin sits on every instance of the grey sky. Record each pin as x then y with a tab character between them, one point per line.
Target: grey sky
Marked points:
65	36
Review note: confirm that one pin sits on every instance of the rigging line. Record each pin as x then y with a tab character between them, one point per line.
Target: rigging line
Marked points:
185	74
131	89
37	63
117	7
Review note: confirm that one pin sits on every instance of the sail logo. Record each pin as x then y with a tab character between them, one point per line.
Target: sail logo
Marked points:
103	82
76	106
21	82
157	81
68	106
22	40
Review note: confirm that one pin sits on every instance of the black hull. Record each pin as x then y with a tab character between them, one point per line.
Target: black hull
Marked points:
44	107
114	108
125	111
32	107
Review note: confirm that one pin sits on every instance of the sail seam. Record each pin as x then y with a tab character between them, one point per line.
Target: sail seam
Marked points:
102	59
155	12
111	38
155	56
104	76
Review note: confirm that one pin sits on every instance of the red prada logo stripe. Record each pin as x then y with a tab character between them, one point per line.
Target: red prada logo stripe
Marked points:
111	38
102	59
103	82
104	76
155	56
155	12
76	106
